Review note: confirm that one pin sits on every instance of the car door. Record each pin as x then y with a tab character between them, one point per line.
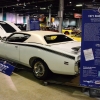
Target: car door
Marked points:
13	44
12	51
12	47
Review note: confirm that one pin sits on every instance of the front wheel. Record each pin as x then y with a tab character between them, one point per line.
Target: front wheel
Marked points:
40	69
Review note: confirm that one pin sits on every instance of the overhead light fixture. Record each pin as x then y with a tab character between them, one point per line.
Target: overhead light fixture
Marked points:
24	4
17	4
70	2
42	8
73	9
35	6
78	5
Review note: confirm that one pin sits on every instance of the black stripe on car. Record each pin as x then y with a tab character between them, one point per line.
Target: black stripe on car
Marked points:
52	51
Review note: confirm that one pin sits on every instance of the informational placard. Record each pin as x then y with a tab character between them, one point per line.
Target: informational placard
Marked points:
34	24
90	48
6	67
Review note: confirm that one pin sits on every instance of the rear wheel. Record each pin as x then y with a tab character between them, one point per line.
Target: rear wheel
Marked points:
40	69
66	33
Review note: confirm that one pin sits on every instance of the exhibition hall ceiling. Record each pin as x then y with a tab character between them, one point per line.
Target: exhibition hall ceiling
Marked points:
26	7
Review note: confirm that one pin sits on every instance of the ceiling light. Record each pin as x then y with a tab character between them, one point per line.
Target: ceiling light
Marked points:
70	2
42	8
73	9
17	4
35	6
78	5
35	16
24	4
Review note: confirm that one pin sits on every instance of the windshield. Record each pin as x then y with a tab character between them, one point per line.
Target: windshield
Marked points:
7	27
56	38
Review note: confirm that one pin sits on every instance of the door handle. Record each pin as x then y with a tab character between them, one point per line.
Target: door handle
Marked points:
16	46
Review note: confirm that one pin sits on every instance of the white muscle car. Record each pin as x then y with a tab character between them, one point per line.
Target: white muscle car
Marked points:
7	28
44	51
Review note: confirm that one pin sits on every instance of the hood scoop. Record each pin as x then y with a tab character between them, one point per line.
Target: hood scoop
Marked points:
76	49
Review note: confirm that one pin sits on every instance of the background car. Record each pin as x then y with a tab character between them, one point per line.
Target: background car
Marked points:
6	28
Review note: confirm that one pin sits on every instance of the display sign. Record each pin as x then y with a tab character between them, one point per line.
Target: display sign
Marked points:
34	24
6	67
76	15
90	48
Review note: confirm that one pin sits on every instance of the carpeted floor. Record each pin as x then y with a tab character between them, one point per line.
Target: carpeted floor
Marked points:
23	86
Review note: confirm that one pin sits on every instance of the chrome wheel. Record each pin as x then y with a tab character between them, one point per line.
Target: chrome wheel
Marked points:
39	69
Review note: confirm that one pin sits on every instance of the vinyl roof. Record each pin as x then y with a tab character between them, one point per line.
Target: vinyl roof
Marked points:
41	33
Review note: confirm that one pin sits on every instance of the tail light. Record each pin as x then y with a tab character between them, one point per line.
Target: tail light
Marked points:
77	67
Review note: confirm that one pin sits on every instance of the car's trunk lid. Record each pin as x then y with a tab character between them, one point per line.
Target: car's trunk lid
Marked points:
71	47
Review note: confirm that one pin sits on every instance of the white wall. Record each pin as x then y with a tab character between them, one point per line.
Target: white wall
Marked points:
11	17
14	18
19	19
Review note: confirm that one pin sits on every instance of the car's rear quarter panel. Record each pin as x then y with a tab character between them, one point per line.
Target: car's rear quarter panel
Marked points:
54	61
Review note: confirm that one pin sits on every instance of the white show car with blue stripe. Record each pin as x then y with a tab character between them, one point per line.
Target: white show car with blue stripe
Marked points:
44	51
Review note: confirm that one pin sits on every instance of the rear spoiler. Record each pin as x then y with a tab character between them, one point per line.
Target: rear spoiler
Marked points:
76	49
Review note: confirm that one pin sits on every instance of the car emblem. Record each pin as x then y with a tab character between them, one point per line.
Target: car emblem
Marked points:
66	63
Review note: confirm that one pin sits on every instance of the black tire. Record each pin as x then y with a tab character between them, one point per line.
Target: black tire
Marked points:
66	33
40	69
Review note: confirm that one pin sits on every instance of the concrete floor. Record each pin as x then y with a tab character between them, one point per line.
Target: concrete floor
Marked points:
23	86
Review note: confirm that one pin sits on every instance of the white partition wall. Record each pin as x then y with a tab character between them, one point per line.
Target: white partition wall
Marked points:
19	19
11	17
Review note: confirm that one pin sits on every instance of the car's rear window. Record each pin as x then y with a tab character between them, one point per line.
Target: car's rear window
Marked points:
7	27
56	38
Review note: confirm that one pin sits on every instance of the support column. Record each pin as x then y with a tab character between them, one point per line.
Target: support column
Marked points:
49	17
61	9
16	18
2	14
